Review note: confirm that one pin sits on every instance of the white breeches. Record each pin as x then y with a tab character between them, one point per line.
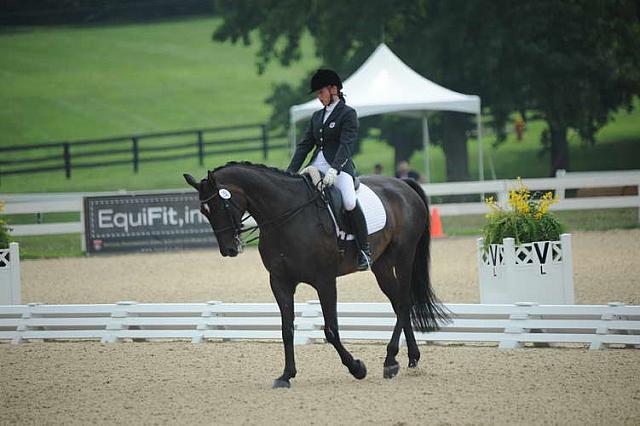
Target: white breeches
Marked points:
344	182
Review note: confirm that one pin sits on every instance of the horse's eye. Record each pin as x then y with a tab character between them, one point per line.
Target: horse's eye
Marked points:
204	208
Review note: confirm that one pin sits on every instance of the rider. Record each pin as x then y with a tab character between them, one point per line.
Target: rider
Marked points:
333	131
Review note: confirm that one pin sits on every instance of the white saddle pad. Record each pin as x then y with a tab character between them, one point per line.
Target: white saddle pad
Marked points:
374	212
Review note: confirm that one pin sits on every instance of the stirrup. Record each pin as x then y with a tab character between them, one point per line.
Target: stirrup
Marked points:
364	261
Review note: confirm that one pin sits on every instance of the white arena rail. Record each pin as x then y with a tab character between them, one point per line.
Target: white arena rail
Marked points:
510	326
72	202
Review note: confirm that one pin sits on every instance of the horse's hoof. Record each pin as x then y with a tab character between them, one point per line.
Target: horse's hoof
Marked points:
391	371
281	384
359	370
413	363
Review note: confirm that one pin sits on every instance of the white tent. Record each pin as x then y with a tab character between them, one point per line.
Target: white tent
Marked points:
384	84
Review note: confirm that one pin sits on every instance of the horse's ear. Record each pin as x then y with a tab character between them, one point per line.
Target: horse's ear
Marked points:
211	177
191	181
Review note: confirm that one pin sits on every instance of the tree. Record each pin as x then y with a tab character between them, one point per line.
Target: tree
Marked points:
577	62
574	61
344	43
56	12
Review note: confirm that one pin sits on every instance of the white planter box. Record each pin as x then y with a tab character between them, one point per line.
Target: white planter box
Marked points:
10	275
539	272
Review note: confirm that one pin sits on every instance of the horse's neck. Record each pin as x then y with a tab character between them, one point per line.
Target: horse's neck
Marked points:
269	195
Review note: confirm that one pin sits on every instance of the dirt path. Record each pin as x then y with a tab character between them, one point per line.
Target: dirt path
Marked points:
228	383
606	268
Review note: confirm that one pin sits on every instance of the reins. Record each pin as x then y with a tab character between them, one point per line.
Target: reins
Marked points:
237	227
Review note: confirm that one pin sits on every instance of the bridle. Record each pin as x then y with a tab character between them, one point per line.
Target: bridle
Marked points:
237	226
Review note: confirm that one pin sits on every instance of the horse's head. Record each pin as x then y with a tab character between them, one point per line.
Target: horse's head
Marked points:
223	208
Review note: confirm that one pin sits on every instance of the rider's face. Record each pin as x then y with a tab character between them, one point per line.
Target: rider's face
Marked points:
324	94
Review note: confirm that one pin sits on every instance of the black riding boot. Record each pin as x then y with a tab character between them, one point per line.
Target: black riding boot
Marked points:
359	224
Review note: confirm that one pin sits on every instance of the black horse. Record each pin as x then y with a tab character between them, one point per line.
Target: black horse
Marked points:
298	244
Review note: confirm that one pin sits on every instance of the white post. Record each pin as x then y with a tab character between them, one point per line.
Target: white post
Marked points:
118	316
503	194
307	322
567	269
560	189
16	287
425	142
480	264
510	267
480	156
515	328
638	199
10	288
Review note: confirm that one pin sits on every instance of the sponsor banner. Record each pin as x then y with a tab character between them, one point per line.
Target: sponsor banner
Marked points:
145	222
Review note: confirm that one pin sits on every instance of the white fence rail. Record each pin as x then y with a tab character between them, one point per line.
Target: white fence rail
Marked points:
510	326
72	202
559	185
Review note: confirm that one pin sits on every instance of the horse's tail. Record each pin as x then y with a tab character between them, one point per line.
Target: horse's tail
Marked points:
427	313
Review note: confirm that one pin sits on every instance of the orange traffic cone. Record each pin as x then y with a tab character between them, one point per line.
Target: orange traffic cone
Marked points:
436	224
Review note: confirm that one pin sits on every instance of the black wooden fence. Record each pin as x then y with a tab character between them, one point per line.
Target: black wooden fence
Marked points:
137	149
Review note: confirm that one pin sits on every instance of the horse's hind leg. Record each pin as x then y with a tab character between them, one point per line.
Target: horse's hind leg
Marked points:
327	295
400	299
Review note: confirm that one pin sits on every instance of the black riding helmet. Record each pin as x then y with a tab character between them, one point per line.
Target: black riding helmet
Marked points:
324	77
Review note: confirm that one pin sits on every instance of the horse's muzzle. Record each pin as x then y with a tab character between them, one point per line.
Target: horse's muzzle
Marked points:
230	252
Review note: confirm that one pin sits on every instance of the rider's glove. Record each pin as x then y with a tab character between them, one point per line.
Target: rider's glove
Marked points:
330	177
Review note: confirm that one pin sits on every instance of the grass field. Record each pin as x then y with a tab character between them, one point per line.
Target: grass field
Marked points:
83	83
65	84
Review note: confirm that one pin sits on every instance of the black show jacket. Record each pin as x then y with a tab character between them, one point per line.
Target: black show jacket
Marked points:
336	137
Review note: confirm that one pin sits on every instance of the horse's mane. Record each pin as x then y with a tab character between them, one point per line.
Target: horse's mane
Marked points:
258	166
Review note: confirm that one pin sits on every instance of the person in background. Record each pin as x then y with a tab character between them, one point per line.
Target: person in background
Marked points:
377	169
518	126
404	171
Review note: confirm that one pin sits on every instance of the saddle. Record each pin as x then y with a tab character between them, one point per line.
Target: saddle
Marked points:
333	198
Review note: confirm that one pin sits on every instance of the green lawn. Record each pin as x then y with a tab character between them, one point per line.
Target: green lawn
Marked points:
34	247
78	83
66	84
83	83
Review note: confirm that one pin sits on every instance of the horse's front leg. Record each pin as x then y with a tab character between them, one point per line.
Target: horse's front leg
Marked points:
327	294
283	291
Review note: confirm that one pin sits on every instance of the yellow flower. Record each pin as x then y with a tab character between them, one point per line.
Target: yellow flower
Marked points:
494	208
544	203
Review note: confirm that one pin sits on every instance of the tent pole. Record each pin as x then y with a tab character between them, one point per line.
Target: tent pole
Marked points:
425	142
480	156
292	137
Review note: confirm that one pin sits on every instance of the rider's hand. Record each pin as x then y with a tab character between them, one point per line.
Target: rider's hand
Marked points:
330	177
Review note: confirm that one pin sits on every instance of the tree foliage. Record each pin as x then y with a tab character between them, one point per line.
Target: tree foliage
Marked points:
578	61
56	12
573	61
